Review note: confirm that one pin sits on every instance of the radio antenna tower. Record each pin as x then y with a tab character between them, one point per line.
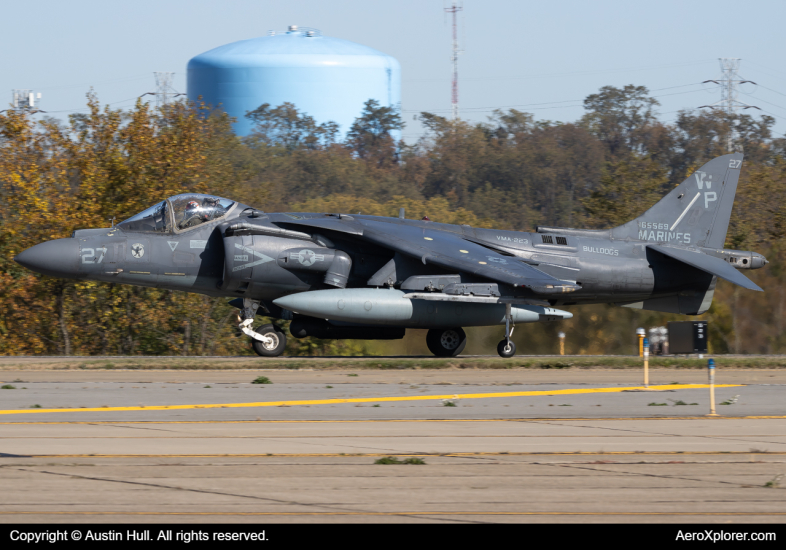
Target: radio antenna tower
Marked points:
454	9
729	93
164	89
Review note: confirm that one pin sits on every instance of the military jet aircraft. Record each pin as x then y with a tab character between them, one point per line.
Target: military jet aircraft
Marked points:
339	275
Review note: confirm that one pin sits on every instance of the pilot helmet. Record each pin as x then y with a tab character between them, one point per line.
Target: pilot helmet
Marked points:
194	210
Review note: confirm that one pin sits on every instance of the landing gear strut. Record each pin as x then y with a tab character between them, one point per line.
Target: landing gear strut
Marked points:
446	342
267	340
506	348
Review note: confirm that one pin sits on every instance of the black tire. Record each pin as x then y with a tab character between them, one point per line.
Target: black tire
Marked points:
506	350
280	341
447	342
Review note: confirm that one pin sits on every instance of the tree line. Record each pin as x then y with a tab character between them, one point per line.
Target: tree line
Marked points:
511	172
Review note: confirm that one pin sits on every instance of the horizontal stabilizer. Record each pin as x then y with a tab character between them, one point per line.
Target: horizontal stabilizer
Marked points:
710	264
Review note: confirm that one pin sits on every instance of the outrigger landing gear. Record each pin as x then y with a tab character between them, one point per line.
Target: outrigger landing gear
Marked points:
267	340
506	348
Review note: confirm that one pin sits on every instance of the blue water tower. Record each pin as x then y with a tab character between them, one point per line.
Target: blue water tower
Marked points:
327	78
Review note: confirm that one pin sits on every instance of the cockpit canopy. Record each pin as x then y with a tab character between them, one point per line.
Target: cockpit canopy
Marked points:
179	213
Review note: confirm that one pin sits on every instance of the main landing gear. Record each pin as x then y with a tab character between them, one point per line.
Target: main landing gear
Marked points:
447	342
506	348
267	340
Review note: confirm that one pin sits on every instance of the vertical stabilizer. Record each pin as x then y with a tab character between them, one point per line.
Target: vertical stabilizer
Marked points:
695	213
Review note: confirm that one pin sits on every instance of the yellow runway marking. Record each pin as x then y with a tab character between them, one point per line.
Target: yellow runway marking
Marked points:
575	391
389	420
414	513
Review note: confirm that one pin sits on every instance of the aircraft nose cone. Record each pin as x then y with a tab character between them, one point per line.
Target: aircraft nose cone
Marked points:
58	258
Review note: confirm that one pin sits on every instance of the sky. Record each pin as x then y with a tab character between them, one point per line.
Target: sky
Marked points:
538	57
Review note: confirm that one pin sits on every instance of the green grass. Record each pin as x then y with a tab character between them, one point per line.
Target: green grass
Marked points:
373	363
653	404
7	387
352	374
448	403
775	482
394	460
36	406
261	380
377	405
681	402
328	387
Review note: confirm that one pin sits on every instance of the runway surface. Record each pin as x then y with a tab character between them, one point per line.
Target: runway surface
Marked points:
498	446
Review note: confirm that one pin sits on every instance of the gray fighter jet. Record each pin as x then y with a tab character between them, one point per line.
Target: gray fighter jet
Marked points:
366	277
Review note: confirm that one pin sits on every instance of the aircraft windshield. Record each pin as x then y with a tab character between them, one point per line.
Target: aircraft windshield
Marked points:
155	218
191	210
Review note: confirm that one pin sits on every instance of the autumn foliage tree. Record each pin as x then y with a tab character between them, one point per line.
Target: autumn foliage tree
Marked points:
102	165
510	172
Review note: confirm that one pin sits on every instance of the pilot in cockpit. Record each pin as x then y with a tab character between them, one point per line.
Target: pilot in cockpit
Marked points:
193	215
196	214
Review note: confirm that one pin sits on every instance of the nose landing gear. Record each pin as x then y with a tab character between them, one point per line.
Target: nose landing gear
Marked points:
506	348
267	340
273	344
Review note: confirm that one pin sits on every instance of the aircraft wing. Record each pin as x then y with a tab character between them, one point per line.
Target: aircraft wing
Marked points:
340	223
446	250
710	264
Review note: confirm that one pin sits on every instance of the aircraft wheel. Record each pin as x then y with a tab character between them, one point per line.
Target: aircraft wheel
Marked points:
506	349
274	348
446	342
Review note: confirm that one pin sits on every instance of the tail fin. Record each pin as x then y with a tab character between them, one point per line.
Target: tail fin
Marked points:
695	213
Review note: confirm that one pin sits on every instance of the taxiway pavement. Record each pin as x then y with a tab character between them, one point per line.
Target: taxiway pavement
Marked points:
499	445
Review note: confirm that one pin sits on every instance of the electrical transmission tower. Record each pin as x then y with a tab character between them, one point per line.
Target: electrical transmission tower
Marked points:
729	93
454	9
164	89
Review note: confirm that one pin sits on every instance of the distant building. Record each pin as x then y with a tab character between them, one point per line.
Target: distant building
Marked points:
327	78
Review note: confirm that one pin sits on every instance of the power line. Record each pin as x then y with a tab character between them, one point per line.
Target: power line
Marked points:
571	73
85	108
773	104
580	102
128	79
777	72
770	89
